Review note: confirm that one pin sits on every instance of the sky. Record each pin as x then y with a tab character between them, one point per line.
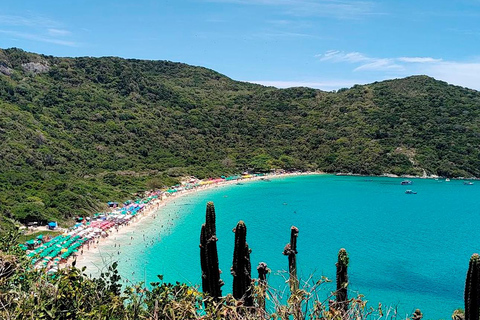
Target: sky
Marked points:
325	44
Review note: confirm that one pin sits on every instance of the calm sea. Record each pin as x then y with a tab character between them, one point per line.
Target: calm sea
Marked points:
406	250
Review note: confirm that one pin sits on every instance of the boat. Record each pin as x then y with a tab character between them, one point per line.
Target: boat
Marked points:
406	182
468	183
410	192
447	180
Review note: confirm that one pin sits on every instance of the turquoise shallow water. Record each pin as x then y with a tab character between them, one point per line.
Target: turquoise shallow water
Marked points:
408	251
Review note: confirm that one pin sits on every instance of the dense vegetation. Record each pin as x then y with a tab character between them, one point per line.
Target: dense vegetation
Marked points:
76	132
30	293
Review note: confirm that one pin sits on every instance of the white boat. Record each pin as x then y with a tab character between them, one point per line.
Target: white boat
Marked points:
447	180
406	182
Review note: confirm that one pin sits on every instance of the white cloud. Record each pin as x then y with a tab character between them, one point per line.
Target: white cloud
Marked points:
418	59
35	28
340	56
58	32
466	74
269	35
367	63
340	9
27	21
379	65
323	85
39	38
463	73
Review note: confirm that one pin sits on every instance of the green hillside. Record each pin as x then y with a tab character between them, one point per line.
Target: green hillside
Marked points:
77	132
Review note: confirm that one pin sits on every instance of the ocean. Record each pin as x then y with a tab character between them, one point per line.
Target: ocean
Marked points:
406	251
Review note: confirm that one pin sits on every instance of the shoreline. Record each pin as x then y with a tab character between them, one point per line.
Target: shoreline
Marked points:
94	257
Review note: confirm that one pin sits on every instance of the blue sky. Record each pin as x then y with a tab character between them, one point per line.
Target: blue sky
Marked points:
326	44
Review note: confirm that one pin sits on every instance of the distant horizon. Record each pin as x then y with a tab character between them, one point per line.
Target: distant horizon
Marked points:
323	44
275	84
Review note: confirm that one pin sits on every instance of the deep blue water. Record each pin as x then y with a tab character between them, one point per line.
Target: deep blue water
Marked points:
408	251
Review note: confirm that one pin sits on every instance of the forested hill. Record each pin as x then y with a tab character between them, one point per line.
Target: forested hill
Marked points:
76	132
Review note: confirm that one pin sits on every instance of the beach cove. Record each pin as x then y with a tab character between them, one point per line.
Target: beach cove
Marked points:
409	251
105	250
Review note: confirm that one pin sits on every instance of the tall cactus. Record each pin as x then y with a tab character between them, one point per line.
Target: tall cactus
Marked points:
342	280
211	282
472	289
241	268
290	250
203	258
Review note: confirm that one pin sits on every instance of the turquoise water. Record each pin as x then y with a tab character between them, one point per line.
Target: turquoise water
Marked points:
406	251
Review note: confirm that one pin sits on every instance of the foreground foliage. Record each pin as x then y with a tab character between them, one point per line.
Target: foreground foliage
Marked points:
77	132
70	294
27	293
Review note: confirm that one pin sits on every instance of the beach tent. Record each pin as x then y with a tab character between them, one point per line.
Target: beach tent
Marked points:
30	244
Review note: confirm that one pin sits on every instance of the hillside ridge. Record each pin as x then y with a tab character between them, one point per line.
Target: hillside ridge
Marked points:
71	127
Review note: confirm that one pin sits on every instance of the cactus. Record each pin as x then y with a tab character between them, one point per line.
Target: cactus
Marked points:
290	250
458	314
472	289
417	315
342	280
211	282
203	258
262	283
262	272
241	268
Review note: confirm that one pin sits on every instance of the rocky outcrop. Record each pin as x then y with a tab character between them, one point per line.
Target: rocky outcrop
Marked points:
5	69
35	67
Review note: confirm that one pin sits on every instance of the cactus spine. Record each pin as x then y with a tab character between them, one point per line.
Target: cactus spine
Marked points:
472	289
342	280
290	250
241	268
211	282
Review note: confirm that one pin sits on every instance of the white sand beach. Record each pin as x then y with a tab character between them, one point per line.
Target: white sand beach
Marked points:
99	254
